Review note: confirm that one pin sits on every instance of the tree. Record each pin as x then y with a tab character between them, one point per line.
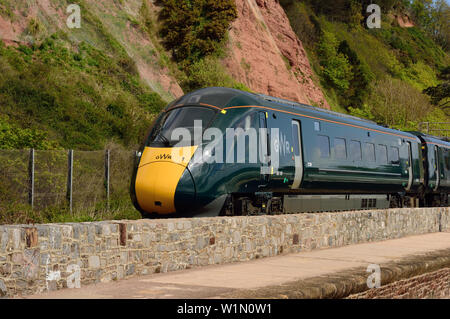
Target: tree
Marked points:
361	77
440	26
440	94
193	29
336	68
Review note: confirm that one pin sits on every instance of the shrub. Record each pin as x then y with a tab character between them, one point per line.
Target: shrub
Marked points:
336	68
358	89
193	29
390	94
305	25
209	72
14	137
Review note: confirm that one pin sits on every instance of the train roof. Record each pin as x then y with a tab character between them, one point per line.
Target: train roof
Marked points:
300	105
221	98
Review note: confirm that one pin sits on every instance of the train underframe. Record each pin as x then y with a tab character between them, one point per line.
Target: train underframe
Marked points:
266	203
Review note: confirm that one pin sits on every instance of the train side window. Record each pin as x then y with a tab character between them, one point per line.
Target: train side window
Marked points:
394	157
355	150
382	154
317	126
324	145
369	152
340	149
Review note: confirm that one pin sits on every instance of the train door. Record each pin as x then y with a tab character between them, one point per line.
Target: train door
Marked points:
409	168
264	147
437	168
298	156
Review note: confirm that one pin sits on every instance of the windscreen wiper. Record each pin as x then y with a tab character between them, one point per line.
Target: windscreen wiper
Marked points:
164	139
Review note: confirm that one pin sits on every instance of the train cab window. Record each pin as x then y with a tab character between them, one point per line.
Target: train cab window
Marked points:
340	149
245	124
394	157
324	145
355	150
179	118
264	140
248	122
382	154
369	152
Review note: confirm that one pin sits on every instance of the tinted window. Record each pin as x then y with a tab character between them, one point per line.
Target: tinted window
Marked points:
382	154
355	150
248	122
264	140
394	156
340	150
182	117
324	145
369	152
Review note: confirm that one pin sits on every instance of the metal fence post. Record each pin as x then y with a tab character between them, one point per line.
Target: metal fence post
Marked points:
31	176
107	175
70	180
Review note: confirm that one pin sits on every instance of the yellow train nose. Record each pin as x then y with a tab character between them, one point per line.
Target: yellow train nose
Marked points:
158	175
155	186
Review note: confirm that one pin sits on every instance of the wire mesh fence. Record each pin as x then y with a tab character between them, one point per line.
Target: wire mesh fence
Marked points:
14	177
78	180
435	128
50	175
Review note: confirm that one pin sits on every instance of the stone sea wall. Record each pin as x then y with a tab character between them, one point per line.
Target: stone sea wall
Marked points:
38	258
433	285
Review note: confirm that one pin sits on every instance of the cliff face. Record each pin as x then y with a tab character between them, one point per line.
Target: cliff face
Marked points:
267	56
404	21
100	20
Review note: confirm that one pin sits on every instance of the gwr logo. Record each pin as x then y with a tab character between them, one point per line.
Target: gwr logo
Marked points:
164	157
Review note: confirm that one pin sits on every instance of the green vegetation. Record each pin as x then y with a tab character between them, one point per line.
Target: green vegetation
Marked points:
77	96
440	94
195	29
23	214
381	74
336	69
14	137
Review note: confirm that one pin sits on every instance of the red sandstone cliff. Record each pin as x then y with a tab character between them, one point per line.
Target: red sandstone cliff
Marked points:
267	56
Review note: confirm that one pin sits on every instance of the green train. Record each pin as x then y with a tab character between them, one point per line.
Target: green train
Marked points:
221	151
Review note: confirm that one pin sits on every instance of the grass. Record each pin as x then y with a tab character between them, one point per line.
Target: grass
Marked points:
77	95
23	214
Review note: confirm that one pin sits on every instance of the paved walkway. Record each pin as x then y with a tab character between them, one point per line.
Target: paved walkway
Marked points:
213	281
